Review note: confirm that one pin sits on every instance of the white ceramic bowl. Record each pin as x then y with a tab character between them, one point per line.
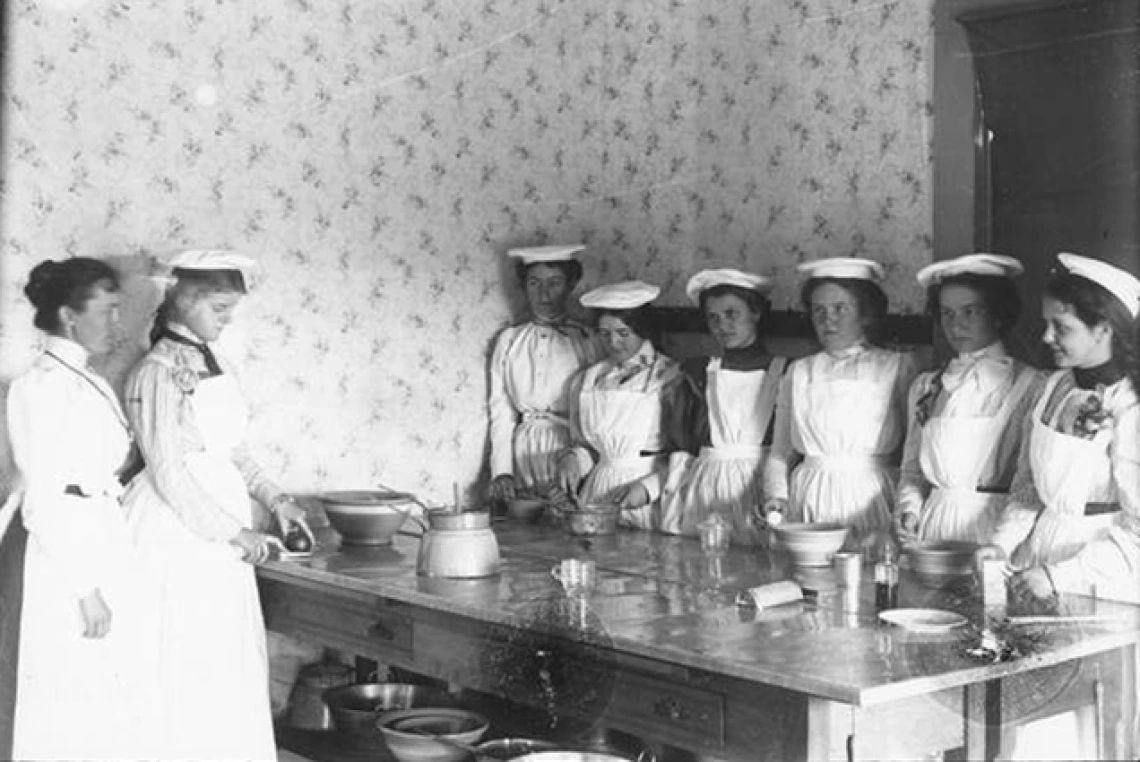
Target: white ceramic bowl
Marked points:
811	544
367	517
432	734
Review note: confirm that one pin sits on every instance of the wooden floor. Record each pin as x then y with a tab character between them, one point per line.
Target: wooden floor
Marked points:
284	755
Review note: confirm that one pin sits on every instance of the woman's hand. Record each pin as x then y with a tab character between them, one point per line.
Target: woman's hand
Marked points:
569	472
257	547
290	515
773	511
906	527
631	496
501	489
1034	583
96	615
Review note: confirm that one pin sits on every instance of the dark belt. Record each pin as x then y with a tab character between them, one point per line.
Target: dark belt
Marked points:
992	490
75	491
1099	509
132	466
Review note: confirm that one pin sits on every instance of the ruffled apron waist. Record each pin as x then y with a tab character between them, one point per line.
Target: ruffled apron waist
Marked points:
630	462
545	416
847	462
752	452
969	494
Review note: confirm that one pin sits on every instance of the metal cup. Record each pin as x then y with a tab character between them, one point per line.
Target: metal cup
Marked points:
848	568
577	575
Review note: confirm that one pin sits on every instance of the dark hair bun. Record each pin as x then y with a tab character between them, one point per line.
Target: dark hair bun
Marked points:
40	283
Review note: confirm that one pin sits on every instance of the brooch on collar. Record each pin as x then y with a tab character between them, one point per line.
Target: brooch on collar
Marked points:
1092	417
186	379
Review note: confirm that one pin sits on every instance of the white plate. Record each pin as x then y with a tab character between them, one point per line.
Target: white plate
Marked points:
923	620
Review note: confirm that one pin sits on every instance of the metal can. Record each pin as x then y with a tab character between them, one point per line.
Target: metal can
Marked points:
992	574
848	568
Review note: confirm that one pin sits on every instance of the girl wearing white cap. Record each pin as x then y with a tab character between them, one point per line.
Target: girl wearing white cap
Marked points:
193	516
81	691
841	413
734	398
620	406
964	434
1073	519
531	368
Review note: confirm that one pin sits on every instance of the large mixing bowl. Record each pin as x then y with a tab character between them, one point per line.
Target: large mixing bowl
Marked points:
942	563
355	708
811	544
432	735
513	748
593	519
367	517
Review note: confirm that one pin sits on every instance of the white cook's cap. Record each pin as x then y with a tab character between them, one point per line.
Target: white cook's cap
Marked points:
843	267
707	279
973	264
1121	284
535	255
626	295
215	259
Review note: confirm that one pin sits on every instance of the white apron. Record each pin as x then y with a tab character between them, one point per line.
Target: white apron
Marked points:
537	366
619	424
62	674
81	698
213	670
1067	470
538	439
726	477
844	481
955	455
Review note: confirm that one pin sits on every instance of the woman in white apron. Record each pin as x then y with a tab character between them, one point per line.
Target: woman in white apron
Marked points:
1072	524
734	398
841	413
81	689
1073	520
964	435
620	406
531	368
191	517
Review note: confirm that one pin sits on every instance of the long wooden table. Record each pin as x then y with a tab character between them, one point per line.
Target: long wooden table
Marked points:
660	649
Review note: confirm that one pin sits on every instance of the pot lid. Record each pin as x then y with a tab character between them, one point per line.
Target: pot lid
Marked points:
367	497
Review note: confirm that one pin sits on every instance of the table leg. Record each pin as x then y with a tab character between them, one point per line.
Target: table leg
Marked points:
983	727
1126	733
828	737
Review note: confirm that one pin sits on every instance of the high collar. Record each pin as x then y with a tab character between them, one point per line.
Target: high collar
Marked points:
995	351
554	321
67	350
1102	375
642	358
184	332
849	353
752	357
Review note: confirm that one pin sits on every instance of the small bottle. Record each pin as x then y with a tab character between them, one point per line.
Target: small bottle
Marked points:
887	578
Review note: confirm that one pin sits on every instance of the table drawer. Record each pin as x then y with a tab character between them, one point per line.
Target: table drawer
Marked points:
669	711
368	628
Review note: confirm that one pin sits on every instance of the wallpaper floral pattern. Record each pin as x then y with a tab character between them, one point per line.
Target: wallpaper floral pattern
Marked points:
380	157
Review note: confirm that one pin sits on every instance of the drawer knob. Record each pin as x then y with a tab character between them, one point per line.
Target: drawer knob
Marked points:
669	708
382	631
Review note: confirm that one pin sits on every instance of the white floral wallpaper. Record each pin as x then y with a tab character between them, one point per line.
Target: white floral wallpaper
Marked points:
380	156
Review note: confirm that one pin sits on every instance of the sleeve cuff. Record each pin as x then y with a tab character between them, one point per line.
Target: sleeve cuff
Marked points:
652	484
585	460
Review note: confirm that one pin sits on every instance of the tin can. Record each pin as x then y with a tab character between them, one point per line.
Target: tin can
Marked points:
848	568
992	574
774	594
